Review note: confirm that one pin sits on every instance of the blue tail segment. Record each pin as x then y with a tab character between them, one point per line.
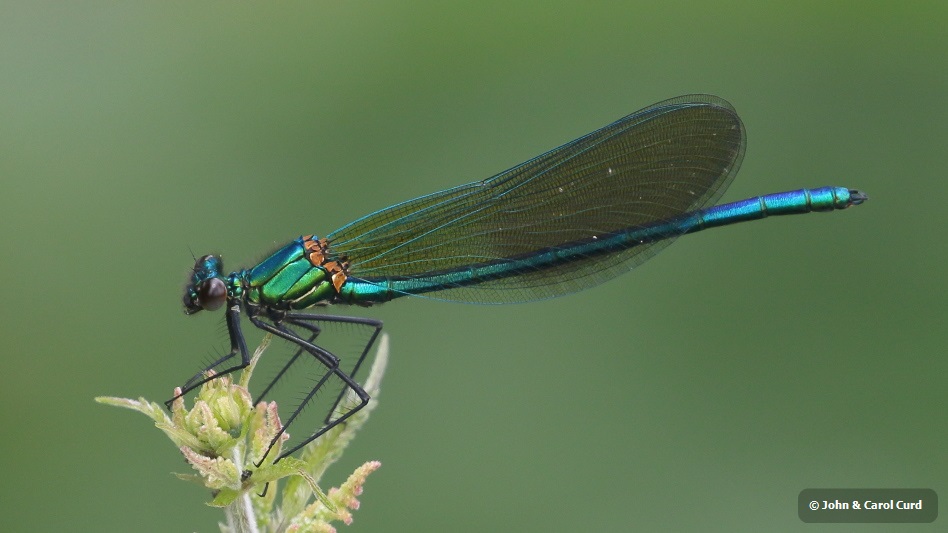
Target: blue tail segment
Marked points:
785	203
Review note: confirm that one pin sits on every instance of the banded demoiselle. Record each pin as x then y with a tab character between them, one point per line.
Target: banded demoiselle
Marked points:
561	222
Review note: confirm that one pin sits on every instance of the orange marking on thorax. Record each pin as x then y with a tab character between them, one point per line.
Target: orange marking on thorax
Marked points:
317	251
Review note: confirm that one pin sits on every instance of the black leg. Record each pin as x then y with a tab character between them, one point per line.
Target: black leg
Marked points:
315	331
302	321
308	321
237	345
329	361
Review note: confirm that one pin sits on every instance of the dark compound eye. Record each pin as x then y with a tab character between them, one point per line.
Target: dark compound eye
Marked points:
211	294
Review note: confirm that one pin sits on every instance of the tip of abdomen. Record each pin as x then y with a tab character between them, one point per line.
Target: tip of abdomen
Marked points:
857	197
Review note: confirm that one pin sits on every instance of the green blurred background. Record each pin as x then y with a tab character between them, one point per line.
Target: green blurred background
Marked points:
700	393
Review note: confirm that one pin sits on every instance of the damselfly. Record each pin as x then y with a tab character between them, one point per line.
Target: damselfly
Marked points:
562	222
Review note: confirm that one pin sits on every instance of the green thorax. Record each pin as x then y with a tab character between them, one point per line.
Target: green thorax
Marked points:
297	276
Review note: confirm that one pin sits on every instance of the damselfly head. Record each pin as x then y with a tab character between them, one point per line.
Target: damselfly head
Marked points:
206	291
